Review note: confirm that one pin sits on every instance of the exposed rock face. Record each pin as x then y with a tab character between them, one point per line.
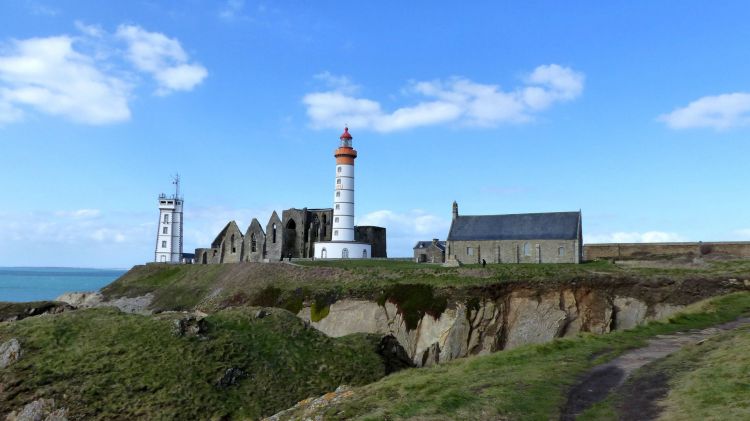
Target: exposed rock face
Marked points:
39	410
137	305
10	312
10	352
519	317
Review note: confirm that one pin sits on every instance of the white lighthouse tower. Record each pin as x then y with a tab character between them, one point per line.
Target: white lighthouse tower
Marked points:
342	244
169	234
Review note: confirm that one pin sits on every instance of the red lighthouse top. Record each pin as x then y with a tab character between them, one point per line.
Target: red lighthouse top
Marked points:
346	134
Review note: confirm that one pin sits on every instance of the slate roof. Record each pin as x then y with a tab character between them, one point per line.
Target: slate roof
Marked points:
425	244
522	226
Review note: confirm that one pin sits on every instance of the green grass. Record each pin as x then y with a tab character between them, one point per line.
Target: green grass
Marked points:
527	383
103	364
210	287
710	381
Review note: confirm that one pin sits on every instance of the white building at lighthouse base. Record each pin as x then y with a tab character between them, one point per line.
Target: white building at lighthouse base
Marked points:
342	250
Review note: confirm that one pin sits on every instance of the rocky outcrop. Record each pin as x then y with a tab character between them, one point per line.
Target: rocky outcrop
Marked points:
519	317
138	305
39	410
10	312
10	352
311	408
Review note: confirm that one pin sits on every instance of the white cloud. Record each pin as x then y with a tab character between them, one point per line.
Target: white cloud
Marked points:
405	229
79	214
48	75
743	234
456	100
719	112
634	237
162	57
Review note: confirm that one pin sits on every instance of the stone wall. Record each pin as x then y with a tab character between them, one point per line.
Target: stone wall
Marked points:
274	238
635	251
254	243
231	244
375	236
513	251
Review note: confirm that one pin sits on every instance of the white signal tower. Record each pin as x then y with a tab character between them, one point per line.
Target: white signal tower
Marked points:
169	234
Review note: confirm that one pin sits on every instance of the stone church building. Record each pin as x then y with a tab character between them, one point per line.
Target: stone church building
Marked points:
553	237
292	235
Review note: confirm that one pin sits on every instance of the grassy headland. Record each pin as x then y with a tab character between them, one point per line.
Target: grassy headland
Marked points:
211	287
103	364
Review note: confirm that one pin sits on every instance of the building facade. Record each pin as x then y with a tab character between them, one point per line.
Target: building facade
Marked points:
554	237
430	251
169	229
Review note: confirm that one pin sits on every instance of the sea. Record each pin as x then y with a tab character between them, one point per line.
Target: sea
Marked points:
18	284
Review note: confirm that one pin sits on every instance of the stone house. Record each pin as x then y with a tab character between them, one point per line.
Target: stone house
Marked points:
429	251
293	234
553	237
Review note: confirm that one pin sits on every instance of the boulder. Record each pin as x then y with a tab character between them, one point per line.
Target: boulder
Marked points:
230	377
39	410
81	299
10	352
191	325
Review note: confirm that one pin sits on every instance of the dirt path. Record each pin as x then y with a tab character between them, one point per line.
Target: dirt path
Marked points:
600	380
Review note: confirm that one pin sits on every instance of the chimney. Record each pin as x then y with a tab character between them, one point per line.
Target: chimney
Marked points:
455	210
434	241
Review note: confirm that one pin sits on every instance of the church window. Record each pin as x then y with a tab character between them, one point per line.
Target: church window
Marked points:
253	243
163	244
526	249
166	218
164	230
561	251
274	233
234	249
345	253
469	251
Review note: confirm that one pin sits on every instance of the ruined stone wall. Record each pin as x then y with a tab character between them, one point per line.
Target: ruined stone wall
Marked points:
635	251
274	238
513	251
231	245
375	236
254	243
202	256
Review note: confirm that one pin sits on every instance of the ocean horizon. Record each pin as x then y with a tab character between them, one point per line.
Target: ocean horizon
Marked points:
21	284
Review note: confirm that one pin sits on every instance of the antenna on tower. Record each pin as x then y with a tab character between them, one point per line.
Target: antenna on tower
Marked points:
176	182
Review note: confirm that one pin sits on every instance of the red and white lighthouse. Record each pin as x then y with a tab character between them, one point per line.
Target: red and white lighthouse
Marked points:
342	244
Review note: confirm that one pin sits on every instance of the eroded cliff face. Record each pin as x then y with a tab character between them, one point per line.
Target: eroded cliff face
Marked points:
481	326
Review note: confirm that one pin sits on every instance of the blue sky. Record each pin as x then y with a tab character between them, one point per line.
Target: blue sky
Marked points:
635	112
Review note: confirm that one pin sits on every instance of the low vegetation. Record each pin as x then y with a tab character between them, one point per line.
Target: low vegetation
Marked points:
531	382
103	364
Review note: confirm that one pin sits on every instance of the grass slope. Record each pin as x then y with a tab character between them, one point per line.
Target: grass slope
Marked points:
525	383
103	364
210	287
